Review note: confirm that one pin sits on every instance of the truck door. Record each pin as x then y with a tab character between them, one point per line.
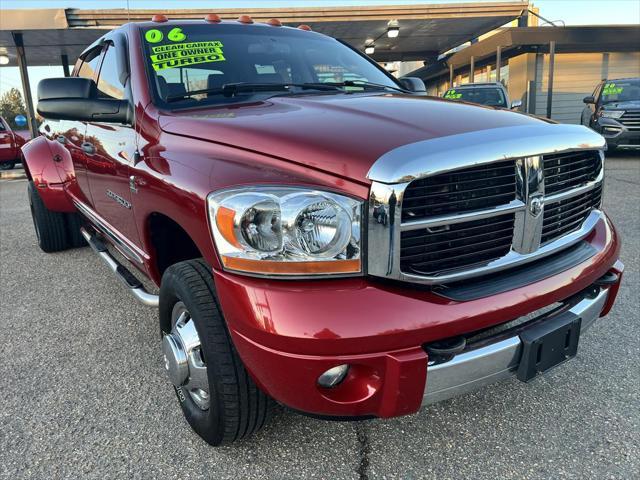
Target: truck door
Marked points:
71	133
109	149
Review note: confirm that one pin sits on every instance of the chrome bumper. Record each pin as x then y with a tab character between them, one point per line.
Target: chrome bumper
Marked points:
475	368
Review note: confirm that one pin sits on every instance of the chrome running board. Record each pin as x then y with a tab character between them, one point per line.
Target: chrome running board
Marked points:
126	277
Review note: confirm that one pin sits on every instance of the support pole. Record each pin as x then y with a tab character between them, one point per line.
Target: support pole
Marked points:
531	97
26	89
472	69
498	62
64	59
450	76
552	58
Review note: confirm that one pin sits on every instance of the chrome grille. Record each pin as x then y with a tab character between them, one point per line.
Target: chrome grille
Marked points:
566	171
566	216
631	120
434	217
427	252
460	191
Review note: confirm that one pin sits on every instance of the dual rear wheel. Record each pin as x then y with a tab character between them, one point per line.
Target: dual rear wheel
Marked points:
55	231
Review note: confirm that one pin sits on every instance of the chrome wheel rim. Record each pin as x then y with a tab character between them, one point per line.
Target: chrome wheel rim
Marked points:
183	357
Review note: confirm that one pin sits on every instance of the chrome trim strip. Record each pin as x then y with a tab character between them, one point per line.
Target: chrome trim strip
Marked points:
513	258
476	368
513	206
122	246
440	155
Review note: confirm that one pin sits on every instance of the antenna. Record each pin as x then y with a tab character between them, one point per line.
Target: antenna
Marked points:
128	13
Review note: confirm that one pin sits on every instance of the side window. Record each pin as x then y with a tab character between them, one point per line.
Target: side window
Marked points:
109	80
2	127
90	65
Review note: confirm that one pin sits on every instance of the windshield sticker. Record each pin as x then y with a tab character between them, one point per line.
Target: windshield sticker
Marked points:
452	95
155	36
611	89
183	54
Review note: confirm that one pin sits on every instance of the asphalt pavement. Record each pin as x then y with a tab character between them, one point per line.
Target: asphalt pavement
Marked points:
84	393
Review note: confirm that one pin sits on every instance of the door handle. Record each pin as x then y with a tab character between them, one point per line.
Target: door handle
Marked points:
62	139
88	148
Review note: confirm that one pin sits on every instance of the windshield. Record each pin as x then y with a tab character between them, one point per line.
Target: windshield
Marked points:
193	58
493	97
621	91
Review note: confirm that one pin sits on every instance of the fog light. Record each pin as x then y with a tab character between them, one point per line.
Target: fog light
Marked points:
332	377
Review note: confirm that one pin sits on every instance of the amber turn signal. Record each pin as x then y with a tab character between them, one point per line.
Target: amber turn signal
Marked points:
291	268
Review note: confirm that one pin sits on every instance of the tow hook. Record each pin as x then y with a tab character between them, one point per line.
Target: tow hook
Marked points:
444	350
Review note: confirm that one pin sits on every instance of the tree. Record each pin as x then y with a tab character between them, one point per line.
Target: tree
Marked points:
11	104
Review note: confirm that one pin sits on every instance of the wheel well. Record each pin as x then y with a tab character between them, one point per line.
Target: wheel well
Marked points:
172	244
25	166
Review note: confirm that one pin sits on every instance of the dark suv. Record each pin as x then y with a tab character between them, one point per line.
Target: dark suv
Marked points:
614	111
491	94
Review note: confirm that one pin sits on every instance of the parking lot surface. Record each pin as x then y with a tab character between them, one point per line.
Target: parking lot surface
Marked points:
85	393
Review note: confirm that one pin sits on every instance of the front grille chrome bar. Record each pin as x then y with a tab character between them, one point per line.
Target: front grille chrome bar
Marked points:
525	145
513	206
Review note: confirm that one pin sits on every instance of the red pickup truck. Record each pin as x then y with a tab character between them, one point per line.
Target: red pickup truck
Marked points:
321	235
10	144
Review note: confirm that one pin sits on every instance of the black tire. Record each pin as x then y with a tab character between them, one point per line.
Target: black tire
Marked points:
74	222
50	227
7	165
237	407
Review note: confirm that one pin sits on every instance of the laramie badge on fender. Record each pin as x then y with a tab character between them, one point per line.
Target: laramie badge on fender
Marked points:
265	239
118	199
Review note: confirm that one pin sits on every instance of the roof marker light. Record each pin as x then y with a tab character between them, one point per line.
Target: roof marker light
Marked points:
212	18
274	22
304	27
159	18
245	19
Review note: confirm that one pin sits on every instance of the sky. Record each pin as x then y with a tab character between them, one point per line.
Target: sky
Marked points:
571	12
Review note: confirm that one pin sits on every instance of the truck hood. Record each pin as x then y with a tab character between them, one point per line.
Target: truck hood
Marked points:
341	134
628	105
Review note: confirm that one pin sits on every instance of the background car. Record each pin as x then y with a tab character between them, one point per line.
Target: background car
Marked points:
10	143
492	94
614	111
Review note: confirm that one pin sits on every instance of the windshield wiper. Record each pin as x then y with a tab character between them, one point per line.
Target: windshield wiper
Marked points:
362	84
231	89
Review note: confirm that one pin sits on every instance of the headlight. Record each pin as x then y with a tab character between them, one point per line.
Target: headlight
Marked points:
286	231
611	113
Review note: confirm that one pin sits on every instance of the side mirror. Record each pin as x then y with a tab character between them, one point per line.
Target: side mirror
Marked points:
589	99
413	84
74	98
516	104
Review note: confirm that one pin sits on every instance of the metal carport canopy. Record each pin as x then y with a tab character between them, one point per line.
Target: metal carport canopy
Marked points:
425	30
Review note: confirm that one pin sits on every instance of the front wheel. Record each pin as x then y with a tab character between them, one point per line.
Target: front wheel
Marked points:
7	165
218	398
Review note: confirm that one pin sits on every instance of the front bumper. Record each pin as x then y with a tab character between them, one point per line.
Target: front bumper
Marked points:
289	333
489	362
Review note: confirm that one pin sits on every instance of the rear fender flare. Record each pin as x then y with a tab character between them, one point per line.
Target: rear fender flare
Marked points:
45	172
